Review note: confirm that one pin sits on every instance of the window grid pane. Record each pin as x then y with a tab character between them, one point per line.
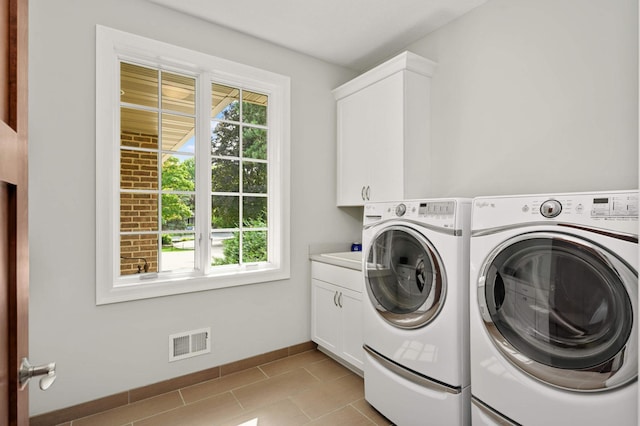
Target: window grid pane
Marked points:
178	93
138	85
138	253
239	168
138	170
178	251
224	102
157	170
177	130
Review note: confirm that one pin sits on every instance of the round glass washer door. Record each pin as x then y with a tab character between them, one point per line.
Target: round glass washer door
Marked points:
561	309
404	277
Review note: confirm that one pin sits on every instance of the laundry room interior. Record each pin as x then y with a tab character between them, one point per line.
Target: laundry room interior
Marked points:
411	146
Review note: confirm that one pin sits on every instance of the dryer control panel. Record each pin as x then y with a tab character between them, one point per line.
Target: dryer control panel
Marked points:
431	209
437	208
438	213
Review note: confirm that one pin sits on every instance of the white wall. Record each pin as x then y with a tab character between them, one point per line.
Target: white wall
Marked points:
108	349
535	96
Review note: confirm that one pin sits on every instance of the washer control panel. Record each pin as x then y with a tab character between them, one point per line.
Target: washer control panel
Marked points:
594	206
614	210
614	207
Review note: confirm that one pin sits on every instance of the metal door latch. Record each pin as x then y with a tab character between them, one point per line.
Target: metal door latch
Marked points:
27	371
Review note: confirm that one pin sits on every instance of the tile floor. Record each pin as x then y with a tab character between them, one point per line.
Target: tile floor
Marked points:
305	389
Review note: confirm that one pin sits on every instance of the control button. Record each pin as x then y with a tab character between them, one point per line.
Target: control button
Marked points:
579	208
550	208
401	209
525	208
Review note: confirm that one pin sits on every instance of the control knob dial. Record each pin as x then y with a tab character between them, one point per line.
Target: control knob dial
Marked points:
550	208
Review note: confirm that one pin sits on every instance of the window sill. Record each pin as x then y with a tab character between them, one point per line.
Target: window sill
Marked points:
138	289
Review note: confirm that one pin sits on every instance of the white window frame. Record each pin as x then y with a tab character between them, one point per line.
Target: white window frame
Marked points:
112	46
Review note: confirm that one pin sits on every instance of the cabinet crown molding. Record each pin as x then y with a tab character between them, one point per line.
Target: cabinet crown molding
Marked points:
406	61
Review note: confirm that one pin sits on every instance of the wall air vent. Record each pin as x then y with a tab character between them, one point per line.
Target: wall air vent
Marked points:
189	344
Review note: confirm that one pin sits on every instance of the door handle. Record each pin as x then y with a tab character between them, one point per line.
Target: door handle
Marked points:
334	298
340	300
368	193
362	193
27	371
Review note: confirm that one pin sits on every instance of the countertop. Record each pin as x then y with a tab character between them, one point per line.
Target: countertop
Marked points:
345	259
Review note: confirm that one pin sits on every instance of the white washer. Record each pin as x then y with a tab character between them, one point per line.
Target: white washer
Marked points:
415	262
553	309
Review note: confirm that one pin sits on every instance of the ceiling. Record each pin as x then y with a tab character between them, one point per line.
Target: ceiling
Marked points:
356	34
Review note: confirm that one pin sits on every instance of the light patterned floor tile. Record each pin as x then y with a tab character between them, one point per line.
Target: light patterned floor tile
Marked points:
330	396
303	359
344	416
371	413
132	412
202	413
281	413
275	388
222	384
327	370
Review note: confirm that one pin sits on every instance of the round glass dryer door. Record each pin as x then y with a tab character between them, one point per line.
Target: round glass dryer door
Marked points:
562	309
404	277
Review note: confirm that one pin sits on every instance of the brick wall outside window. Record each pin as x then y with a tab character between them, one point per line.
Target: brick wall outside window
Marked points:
138	211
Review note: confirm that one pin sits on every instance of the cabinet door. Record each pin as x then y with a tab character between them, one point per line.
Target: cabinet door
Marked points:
370	142
386	139
325	318
352	340
352	173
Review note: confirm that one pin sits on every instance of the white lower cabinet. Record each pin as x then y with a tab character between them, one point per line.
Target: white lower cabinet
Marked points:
336	311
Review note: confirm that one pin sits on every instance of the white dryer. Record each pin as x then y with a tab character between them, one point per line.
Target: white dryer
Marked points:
553	309
415	262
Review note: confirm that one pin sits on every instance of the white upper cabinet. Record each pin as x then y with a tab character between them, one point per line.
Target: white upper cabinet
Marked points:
383	132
